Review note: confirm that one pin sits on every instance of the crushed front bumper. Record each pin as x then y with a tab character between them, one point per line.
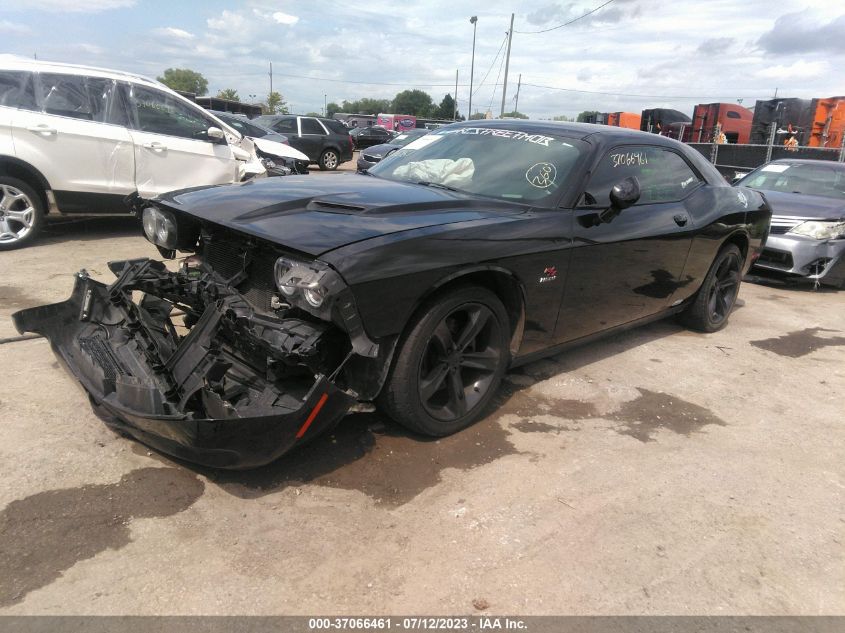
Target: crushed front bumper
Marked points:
804	257
237	391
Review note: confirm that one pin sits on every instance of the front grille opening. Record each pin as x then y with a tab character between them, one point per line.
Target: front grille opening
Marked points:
817	267
778	259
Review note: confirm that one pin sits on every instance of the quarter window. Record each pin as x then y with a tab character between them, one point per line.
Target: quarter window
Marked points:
16	90
160	113
312	126
76	96
663	175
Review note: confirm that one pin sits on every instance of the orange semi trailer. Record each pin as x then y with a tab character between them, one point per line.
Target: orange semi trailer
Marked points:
828	122
733	119
630	120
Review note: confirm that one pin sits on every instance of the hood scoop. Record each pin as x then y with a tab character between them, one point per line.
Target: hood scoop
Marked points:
330	206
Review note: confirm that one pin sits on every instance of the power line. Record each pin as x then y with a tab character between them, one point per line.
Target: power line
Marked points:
560	26
502	63
481	83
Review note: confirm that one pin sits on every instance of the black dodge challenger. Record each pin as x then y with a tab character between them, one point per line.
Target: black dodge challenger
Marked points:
479	247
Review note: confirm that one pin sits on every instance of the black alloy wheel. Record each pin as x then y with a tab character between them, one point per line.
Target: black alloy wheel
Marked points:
450	363
460	362
716	298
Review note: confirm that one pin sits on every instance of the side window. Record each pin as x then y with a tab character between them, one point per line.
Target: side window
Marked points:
312	126
663	175
159	113
286	126
16	90
76	96
732	114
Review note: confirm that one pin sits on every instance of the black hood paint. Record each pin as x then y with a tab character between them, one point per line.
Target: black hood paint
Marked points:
318	213
802	205
380	150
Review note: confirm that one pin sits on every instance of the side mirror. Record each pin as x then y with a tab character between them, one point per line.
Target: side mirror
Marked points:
624	194
215	134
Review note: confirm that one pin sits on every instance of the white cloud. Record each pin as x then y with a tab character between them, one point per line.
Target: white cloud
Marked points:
77	6
227	20
796	70
285	18
172	32
13	28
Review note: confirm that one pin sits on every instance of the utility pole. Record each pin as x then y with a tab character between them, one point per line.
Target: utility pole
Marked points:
473	20
507	64
271	77
455	113
325	105
518	86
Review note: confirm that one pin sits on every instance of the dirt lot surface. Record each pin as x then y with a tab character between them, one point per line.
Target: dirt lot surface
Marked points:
657	471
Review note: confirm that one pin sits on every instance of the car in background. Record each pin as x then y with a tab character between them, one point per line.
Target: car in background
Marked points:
363	137
278	157
807	240
75	139
491	245
326	142
374	154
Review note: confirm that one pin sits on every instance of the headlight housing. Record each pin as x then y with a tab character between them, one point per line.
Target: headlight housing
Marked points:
820	230
310	285
160	227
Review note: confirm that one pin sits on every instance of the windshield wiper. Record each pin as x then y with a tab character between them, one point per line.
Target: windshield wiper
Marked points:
437	185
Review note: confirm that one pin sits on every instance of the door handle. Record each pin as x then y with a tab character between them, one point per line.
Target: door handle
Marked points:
42	129
156	146
681	219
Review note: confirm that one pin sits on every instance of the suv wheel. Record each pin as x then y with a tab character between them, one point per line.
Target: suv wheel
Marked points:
21	213
450	364
329	160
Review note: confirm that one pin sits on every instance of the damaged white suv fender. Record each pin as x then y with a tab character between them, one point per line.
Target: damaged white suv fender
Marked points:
75	139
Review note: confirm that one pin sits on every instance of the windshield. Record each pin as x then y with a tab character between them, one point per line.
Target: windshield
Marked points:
810	179
489	161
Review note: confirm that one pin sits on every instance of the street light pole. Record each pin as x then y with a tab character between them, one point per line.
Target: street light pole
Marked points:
473	20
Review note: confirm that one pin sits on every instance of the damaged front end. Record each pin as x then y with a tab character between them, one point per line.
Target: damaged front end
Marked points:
188	363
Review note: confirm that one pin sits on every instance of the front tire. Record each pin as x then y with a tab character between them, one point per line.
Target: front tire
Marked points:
21	213
715	300
450	364
329	160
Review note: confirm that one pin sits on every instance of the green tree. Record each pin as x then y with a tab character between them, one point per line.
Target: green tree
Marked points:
331	108
313	114
446	109
366	106
583	116
275	104
414	102
563	117
229	93
184	79
515	115
477	116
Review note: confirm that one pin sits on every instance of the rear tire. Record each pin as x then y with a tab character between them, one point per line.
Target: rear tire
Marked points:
712	306
450	363
329	160
21	213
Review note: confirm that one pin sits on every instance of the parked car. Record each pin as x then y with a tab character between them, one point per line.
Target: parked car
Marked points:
278	157
482	246
807	240
375	153
368	136
326	142
75	139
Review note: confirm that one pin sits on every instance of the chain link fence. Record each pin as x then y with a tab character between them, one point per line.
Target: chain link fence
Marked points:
734	160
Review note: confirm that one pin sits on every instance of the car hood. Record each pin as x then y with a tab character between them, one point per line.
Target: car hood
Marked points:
380	150
803	206
318	213
274	148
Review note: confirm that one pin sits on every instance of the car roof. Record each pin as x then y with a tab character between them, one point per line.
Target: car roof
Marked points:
810	161
15	62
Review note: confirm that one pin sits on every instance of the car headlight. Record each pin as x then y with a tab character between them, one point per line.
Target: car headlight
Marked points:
307	284
160	227
820	230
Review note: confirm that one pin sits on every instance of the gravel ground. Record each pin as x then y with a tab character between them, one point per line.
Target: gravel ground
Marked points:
655	472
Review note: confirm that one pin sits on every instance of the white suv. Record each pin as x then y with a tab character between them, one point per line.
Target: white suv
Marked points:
80	140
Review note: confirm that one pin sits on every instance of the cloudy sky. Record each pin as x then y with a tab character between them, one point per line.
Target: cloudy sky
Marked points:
628	55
